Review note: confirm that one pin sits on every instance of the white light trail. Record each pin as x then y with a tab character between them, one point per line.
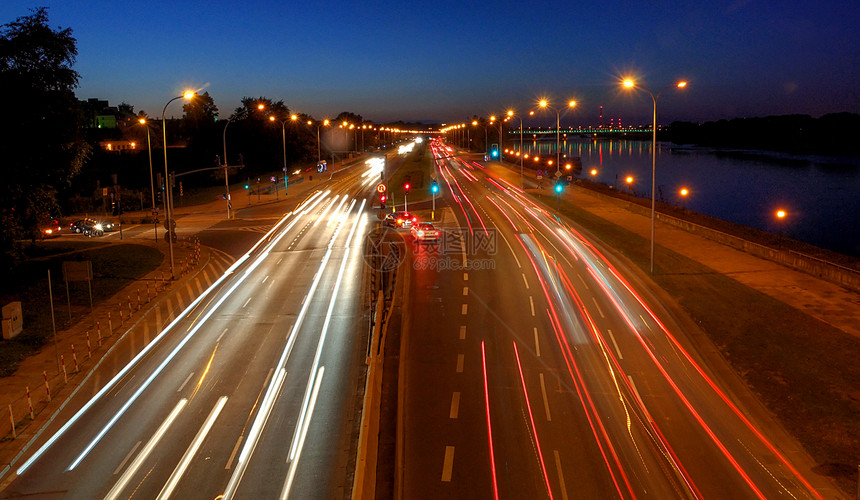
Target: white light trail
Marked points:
189	453
132	469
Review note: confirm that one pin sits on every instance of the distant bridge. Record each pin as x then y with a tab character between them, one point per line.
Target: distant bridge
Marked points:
583	132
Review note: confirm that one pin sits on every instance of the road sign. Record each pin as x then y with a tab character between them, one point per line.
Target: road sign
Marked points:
540	172
170	235
539	177
557	174
170	224
569	178
381	187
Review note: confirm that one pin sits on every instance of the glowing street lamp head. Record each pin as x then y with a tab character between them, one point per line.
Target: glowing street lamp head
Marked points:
684	191
571	104
271	118
189	94
593	171
543	103
510	112
474	122
326	123
142	121
294	117
629	179
261	106
681	84
628	83
780	214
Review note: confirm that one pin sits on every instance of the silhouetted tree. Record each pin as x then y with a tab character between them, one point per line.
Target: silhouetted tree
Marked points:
42	146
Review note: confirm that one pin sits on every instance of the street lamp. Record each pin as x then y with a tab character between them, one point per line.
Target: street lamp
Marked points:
151	181
543	103
629	83
319	155
511	114
168	199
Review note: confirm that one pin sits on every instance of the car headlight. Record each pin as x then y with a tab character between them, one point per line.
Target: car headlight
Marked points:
99	227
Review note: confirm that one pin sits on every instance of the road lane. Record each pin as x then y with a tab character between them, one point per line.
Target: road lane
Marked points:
177	422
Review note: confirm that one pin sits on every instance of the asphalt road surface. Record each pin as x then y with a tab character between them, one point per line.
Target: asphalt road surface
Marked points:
252	392
535	367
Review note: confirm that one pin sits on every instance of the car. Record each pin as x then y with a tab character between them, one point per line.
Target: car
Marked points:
425	231
50	229
87	226
400	219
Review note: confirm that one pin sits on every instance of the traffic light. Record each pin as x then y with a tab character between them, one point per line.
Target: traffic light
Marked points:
406	187
247	186
382	199
494	151
434	188
558	187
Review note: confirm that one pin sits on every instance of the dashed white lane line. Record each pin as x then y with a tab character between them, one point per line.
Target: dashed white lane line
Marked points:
599	310
545	400
464	309
465	276
460	361
560	475
582	280
455	405
247	302
537	344
617	350
465	291
448	464
525	281
462	332
532	304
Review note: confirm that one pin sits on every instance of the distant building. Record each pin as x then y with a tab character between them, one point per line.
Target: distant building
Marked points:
119	145
99	114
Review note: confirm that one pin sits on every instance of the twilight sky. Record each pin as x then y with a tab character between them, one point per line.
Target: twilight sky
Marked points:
444	61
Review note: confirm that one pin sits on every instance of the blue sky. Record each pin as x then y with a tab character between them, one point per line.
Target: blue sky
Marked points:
445	61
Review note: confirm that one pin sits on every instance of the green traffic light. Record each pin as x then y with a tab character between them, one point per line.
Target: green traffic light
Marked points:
558	188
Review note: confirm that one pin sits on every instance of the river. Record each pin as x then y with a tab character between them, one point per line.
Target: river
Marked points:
820	195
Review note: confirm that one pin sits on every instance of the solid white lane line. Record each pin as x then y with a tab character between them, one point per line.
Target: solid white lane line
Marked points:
186	381
124	460
525	281
464	309
514	254
233	455
537	343
617	350
247	302
599	310
545	400
560	475
460	359
455	405
462	332
532	304
150	445
182	466
448	464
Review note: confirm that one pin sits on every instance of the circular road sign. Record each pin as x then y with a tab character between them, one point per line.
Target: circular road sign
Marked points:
381	187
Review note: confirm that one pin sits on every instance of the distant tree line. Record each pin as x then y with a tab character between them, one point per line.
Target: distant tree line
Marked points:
53	162
832	134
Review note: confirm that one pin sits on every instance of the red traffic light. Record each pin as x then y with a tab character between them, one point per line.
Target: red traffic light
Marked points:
382	198
406	186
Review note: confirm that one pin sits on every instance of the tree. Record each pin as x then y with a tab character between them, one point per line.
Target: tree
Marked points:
42	147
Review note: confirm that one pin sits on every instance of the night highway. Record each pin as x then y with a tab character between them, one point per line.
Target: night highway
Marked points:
535	367
250	393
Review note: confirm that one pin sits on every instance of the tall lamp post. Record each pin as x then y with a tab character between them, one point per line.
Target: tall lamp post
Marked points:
511	114
629	83
501	140
168	199
151	180
543	103
319	154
